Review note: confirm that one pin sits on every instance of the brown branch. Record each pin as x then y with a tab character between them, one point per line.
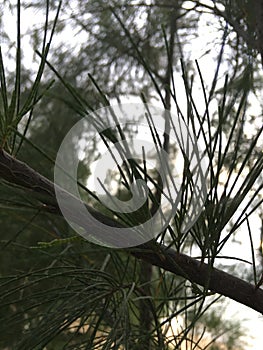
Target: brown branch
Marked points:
218	281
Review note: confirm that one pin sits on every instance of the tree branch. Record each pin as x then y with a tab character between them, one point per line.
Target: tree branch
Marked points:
218	281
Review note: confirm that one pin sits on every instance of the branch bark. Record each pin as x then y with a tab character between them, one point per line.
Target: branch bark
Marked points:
218	281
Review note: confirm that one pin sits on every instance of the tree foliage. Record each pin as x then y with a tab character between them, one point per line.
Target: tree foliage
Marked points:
61	291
